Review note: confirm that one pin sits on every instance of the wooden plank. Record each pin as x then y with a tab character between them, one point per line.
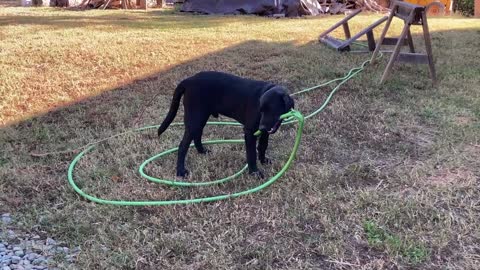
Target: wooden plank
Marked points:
392	41
332	42
339	23
408	6
366	51
344	48
396	51
403	10
364	31
400	14
415	58
382	37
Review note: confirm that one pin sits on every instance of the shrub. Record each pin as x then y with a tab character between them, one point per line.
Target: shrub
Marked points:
464	6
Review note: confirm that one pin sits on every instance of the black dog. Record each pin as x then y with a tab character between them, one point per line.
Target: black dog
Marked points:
255	104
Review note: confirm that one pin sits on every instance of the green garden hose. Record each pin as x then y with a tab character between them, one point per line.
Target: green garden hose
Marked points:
294	114
290	118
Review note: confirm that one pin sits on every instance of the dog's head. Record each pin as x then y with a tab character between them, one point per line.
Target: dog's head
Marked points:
273	104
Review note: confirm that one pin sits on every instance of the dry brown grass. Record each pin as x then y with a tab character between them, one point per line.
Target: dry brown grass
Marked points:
387	177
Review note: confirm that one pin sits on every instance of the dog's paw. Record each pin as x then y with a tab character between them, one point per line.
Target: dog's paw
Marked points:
258	174
183	173
204	151
265	161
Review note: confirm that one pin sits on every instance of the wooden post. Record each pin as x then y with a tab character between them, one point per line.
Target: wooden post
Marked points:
428	47
338	23
371	41
346	29
396	51
477	8
380	41
143	4
345	45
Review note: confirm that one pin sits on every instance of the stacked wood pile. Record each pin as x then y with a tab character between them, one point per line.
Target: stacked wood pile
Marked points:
319	7
373	5
125	4
103	4
342	6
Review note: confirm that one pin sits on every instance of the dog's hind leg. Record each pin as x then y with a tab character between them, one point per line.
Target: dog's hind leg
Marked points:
194	123
198	144
198	132
182	153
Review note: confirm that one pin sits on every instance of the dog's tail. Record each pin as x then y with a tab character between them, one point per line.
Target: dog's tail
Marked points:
173	109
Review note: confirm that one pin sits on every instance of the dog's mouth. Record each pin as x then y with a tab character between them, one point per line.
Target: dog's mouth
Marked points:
275	127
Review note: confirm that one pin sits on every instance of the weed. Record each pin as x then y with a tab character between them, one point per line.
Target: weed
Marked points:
379	238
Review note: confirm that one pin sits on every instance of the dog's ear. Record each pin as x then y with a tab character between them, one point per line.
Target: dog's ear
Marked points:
289	103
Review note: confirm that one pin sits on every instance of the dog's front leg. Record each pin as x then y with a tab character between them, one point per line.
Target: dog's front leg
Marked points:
262	148
250	144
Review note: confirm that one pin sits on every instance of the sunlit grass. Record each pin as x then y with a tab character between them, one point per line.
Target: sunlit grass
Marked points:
50	58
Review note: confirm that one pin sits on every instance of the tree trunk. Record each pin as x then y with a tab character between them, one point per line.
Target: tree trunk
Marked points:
477	8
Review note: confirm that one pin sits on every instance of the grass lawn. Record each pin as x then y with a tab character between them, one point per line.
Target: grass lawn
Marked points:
386	177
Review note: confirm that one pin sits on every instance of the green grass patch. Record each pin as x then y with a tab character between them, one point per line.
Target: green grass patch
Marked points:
379	238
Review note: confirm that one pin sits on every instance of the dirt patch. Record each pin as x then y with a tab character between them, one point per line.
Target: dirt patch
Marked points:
9	3
448	177
463	120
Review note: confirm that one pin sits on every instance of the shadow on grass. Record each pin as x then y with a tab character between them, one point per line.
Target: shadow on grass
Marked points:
282	63
142	102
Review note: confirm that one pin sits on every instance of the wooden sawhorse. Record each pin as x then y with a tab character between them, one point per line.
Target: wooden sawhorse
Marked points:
345	45
411	15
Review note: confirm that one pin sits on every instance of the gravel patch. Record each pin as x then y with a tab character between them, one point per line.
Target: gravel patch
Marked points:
25	251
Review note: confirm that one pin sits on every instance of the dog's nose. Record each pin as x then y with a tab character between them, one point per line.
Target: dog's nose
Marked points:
263	128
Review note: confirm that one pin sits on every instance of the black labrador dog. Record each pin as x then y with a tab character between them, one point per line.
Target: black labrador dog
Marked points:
257	105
